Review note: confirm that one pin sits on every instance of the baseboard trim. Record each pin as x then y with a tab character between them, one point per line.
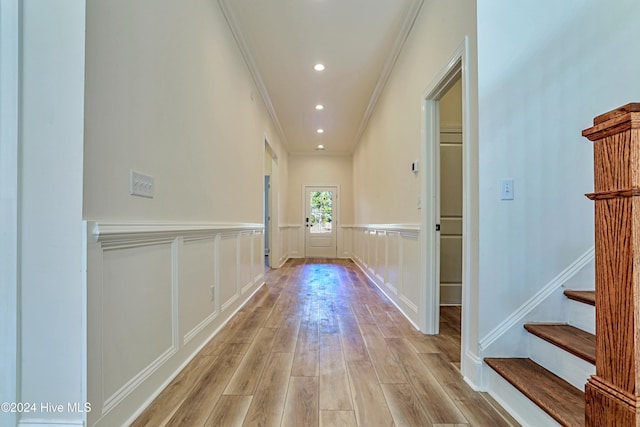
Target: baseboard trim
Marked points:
189	358
472	370
383	289
44	422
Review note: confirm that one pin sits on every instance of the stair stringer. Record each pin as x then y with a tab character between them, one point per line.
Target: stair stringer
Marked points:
510	339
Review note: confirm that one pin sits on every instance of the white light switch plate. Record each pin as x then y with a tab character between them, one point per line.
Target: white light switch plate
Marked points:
140	184
506	189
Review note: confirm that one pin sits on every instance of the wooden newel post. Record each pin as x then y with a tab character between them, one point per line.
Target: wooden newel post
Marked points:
612	394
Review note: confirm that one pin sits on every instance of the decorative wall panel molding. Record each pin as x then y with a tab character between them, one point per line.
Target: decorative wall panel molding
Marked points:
287	248
389	254
156	294
295	243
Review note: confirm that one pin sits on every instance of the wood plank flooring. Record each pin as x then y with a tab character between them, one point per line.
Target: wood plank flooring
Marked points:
319	345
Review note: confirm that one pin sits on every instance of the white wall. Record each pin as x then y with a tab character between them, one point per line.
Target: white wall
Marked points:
545	70
168	94
386	191
9	73
52	304
319	169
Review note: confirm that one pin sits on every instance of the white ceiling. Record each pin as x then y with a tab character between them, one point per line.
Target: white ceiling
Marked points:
357	40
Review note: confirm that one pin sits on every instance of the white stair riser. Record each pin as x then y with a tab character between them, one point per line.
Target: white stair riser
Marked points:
570	368
527	413
582	316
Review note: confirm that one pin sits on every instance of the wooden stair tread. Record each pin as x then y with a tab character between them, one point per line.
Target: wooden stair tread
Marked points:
576	341
586	297
562	401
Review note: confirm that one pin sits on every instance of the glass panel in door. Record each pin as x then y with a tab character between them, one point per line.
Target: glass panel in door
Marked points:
320	232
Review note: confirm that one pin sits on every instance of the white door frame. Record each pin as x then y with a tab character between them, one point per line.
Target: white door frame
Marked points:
9	185
336	210
456	67
267	215
271	226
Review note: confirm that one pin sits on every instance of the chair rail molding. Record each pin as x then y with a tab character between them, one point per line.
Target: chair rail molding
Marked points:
389	255
163	290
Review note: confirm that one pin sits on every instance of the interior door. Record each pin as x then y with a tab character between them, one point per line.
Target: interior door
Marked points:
320	222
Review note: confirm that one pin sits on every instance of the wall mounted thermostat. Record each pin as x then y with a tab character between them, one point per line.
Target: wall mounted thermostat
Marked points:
415	167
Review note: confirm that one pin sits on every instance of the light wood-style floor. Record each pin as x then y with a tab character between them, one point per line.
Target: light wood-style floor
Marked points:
319	345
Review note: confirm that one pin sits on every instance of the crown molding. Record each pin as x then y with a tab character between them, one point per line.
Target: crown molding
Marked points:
251	64
405	30
407	25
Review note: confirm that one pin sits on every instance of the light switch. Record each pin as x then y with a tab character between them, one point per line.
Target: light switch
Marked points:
140	184
506	189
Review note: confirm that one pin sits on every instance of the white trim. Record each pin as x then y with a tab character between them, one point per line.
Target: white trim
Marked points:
390	227
528	306
394	53
45	422
573	369
362	266
458	65
407	24
123	232
188	360
454	69
199	327
411	305
9	185
117	397
112	236
335	215
251	65
473	374
372	257
320	153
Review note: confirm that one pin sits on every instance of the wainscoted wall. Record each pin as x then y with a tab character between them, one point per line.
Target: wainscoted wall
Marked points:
390	256
345	241
292	243
156	294
289	243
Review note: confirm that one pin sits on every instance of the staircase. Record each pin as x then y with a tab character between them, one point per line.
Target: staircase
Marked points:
562	357
611	394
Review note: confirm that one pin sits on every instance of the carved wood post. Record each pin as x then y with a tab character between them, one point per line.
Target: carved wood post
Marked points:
612	394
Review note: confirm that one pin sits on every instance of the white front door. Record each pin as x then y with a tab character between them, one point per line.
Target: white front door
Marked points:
320	222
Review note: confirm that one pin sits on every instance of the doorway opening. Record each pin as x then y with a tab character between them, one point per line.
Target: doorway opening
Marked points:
268	171
267	218
460	225
320	221
451	213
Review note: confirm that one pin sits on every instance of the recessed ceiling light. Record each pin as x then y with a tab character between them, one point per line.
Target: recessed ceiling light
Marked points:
320	147
320	131
319	107
318	67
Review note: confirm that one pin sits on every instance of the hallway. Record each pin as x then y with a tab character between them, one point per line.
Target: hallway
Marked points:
320	345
